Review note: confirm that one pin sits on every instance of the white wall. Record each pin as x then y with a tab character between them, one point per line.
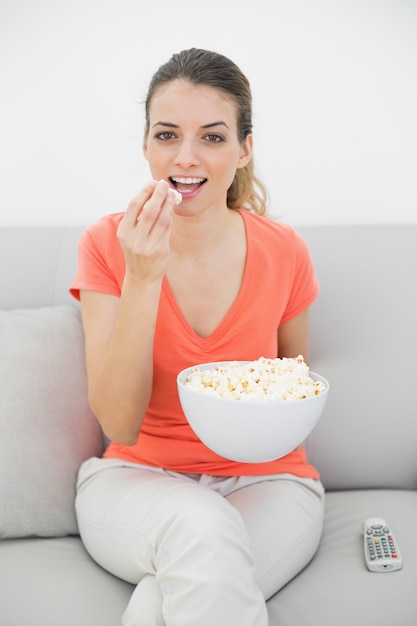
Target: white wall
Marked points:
335	102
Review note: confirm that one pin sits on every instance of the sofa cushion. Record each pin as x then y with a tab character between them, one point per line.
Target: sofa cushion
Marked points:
46	427
337	588
54	582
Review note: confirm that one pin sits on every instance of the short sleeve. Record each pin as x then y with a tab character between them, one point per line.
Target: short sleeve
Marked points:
101	265
305	286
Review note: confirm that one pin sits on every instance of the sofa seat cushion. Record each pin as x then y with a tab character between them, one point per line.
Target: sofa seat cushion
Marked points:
46	427
336	587
54	582
60	584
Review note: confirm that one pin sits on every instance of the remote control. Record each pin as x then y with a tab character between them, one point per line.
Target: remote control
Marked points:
381	549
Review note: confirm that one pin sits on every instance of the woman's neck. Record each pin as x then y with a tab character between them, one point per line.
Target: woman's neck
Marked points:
203	234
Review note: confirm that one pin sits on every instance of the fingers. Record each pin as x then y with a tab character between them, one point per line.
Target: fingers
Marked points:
144	231
149	202
137	203
157	211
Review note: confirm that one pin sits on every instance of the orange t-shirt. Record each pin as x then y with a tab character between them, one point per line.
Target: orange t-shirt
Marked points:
278	283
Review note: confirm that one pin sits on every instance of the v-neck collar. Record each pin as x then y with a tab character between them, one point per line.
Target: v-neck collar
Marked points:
226	321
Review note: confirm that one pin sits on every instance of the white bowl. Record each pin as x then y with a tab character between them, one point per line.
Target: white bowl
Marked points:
249	432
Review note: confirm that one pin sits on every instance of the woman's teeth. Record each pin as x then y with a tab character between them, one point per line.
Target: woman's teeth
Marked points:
188	180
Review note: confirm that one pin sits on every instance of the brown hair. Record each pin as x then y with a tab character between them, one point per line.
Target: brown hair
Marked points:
203	67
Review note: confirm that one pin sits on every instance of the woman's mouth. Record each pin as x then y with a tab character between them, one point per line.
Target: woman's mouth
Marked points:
187	185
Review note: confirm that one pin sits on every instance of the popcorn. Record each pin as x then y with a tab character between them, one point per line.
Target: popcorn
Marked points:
178	197
264	380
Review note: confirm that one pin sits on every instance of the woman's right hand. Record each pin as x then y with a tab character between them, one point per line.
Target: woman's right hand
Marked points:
119	331
144	232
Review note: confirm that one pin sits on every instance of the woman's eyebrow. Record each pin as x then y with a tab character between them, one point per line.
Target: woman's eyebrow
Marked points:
209	125
219	123
169	124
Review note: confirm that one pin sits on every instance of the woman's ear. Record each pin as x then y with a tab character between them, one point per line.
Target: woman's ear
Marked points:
144	143
246	152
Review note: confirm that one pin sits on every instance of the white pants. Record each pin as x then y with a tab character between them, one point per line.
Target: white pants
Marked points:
202	550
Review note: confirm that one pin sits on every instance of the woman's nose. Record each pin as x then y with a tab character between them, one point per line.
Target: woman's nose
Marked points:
187	154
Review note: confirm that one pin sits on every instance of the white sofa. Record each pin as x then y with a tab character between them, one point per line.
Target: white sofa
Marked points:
363	340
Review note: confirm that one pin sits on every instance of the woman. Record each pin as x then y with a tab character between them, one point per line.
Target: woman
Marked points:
164	286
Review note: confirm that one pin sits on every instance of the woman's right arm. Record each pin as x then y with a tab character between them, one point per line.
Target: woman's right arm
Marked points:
119	332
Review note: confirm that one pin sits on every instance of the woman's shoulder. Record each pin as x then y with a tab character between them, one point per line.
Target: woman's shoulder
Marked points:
267	226
105	225
102	234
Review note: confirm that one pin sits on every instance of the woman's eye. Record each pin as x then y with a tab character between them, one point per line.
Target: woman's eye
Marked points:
213	138
165	136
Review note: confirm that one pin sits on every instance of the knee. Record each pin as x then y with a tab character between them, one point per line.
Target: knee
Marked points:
211	522
204	534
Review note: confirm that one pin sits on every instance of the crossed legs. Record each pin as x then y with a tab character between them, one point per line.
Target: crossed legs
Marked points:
201	550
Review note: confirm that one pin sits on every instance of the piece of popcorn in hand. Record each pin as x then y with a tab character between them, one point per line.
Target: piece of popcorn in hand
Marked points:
178	197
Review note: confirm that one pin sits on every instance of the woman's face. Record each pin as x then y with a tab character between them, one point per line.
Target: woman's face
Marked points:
193	143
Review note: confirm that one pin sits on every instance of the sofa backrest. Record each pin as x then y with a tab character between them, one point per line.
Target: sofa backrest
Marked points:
37	265
363	338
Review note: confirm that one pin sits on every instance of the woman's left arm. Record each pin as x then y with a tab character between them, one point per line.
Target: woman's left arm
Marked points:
293	337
